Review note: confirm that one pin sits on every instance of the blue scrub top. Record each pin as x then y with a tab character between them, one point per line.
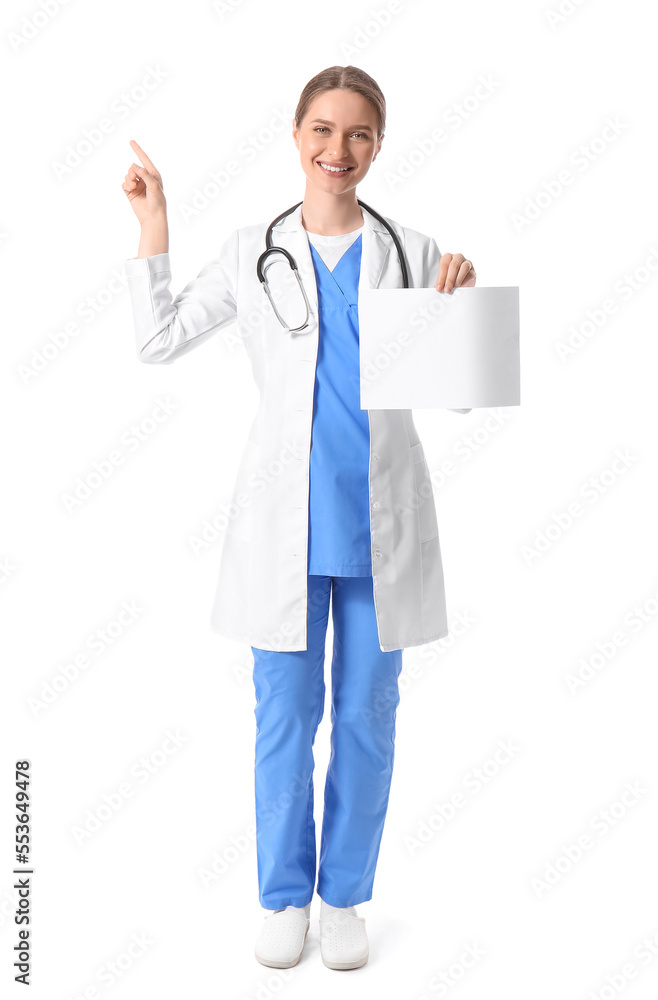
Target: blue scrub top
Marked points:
339	494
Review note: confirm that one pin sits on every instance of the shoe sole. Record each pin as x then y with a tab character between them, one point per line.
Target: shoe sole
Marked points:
283	965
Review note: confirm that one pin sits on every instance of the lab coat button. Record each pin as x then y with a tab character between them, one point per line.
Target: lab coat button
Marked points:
375	457
376	505
378	552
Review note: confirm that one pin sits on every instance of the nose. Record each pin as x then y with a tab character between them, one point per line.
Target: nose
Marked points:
337	146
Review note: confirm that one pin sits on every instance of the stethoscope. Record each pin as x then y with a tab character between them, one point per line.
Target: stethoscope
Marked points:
270	249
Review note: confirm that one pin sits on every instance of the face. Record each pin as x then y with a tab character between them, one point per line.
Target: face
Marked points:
339	128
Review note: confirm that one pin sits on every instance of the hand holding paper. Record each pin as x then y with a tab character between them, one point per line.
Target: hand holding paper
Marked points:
419	348
454	272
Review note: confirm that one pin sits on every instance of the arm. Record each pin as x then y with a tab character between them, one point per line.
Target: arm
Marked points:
166	327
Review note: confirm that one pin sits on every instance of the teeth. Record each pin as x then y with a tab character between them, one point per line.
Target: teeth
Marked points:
338	170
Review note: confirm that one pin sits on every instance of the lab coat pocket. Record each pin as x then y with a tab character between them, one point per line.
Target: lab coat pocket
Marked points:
423	494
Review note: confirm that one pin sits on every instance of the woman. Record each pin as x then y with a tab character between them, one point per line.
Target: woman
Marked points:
330	502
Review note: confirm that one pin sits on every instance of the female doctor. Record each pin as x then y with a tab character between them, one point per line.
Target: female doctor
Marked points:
330	502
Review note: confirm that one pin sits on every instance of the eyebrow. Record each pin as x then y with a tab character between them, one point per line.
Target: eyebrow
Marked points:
323	121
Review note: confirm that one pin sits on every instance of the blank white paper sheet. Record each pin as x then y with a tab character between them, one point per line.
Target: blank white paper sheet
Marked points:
420	348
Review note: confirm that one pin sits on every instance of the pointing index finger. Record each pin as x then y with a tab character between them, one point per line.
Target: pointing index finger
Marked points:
145	160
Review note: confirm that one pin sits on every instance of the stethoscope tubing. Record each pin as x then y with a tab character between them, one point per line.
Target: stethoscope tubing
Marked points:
270	250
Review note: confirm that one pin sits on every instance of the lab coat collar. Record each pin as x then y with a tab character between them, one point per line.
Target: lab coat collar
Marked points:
294	221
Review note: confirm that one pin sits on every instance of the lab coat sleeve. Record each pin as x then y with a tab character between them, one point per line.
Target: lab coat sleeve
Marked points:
167	327
431	274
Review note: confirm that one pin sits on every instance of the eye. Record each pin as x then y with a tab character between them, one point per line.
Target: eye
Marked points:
319	128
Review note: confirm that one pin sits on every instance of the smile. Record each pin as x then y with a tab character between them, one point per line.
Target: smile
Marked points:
333	170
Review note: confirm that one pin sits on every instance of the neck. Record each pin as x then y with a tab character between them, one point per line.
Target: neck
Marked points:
329	214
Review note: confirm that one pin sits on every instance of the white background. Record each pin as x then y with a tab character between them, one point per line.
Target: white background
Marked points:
530	622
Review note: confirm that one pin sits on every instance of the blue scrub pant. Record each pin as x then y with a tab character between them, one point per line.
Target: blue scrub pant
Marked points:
290	694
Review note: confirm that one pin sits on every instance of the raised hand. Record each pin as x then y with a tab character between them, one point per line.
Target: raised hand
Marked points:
143	188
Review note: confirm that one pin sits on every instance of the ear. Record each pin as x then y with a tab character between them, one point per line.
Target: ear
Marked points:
295	132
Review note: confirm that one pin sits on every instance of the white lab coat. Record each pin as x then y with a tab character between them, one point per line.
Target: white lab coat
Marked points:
261	595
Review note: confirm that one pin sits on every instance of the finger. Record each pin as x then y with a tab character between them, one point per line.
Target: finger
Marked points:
130	183
142	173
453	271
465	272
147	162
443	271
471	276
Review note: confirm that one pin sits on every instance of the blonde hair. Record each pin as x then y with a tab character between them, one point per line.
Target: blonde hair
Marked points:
344	78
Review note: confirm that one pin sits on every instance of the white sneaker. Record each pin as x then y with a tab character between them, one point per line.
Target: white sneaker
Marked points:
282	936
343	938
